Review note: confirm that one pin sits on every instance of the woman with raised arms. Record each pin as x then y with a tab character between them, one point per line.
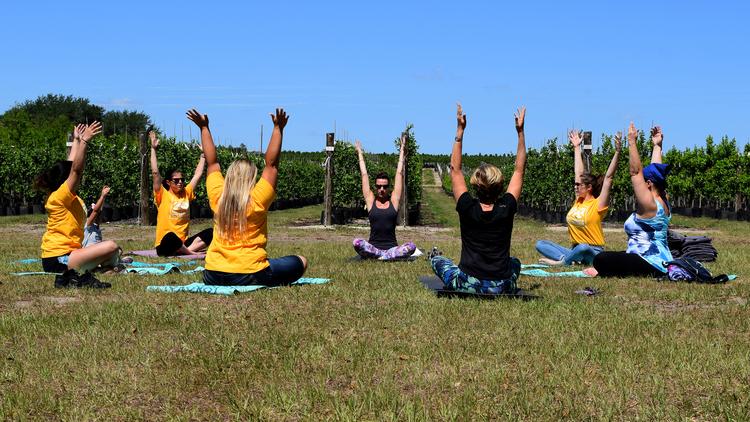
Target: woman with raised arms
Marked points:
172	197
646	228
586	215
240	202
62	250
486	222
382	211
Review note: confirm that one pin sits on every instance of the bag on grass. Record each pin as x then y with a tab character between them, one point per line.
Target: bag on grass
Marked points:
690	270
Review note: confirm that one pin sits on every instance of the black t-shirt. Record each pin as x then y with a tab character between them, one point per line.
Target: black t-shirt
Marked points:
485	237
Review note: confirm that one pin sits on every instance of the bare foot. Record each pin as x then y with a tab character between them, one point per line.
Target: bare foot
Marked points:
591	272
550	262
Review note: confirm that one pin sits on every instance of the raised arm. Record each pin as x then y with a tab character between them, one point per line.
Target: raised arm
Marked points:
516	182
398	184
77	131
609	177
645	203
98	206
76	170
457	175
155	175
656	137
207	141
575	139
198	170
273	152
366	191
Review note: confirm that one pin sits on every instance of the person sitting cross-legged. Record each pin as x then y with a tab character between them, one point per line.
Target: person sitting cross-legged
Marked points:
62	250
585	216
382	209
172	196
240	202
486	222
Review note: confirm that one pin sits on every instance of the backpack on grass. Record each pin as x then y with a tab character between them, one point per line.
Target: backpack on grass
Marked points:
690	270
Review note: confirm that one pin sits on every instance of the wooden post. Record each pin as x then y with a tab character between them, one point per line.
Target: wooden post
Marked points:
403	210
145	182
587	152
329	180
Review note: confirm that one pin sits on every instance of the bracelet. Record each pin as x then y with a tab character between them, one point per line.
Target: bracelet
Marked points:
457	139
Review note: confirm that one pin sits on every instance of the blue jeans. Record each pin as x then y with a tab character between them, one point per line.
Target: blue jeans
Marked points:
582	252
280	272
455	279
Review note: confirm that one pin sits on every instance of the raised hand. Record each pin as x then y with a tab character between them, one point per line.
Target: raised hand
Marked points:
90	131
657	136
460	117
77	131
575	137
105	190
280	119
154	139
632	133
618	141
358	146
520	116
201	120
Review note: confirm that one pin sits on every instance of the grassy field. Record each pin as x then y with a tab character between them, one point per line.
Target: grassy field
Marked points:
374	344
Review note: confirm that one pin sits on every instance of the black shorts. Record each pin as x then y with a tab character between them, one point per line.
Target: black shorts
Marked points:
53	264
171	243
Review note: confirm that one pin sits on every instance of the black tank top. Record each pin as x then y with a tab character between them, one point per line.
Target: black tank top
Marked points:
383	226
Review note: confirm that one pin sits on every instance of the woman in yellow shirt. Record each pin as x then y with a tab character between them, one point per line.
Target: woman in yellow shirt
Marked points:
61	243
237	254
172	197
585	217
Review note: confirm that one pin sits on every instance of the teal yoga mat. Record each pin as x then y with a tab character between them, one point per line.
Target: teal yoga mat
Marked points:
226	290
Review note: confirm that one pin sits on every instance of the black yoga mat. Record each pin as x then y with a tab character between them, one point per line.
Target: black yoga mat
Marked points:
436	284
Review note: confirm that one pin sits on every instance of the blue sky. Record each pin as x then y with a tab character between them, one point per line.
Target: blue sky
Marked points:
371	67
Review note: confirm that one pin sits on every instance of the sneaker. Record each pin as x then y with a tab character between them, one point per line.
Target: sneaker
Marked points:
434	252
63	281
87	280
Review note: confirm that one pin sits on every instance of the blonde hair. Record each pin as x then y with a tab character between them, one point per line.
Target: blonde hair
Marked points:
230	218
488	182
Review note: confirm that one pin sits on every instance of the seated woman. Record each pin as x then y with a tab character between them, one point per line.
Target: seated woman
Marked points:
382	212
62	251
486	222
647	227
237	255
92	234
172	199
585	217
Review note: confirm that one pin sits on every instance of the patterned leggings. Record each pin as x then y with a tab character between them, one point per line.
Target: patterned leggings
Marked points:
366	250
455	279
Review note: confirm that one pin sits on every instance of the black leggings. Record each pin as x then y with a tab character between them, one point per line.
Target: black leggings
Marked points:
171	243
623	264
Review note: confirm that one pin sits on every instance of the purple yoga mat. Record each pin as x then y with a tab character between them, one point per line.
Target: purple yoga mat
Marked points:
152	253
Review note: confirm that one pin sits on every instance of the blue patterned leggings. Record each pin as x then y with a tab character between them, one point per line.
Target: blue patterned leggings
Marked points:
455	279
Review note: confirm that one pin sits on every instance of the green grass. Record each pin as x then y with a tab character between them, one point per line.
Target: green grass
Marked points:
373	344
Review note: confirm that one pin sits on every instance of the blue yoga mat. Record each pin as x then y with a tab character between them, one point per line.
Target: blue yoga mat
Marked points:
226	290
536	272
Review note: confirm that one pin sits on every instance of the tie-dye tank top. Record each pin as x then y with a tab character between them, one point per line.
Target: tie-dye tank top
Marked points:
647	237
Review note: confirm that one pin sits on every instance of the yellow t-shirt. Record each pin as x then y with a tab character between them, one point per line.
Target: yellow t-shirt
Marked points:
66	214
248	255
585	222
173	213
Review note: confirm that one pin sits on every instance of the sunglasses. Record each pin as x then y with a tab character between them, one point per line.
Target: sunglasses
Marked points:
378	187
176	180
